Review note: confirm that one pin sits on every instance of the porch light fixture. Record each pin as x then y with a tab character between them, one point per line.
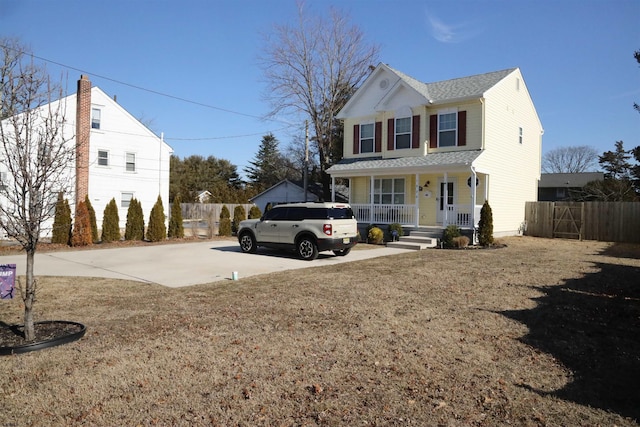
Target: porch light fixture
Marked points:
426	184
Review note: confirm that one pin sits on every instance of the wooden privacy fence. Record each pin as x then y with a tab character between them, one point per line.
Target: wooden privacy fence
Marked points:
604	221
203	218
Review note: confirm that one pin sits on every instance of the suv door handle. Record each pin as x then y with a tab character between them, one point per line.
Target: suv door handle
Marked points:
295	226
274	225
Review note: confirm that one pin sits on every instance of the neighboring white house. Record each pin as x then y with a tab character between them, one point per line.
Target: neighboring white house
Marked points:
117	157
430	154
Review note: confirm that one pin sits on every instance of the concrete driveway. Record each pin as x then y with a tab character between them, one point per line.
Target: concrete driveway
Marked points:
181	264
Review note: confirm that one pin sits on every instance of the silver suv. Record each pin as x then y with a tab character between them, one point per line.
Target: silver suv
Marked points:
307	228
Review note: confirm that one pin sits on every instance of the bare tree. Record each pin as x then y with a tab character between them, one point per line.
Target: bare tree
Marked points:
35	157
312	69
570	160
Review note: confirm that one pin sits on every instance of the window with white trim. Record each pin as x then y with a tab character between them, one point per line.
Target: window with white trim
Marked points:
447	129
125	199
130	162
103	158
95	118
403	133
367	133
388	191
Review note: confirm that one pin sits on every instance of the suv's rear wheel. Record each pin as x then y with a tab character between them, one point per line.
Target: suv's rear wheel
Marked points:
248	243
307	248
342	252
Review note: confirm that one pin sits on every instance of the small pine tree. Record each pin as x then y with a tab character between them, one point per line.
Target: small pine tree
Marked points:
451	232
92	220
111	223
157	230
224	229
82	226
176	227
485	226
254	212
239	214
134	228
61	232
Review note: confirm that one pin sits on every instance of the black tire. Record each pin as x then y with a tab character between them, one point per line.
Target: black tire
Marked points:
307	248
342	252
248	243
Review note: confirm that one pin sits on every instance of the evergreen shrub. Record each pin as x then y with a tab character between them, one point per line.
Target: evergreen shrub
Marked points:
176	227
224	227
61	232
134	228
485	226
81	235
239	214
111	223
449	234
92	219
157	230
254	212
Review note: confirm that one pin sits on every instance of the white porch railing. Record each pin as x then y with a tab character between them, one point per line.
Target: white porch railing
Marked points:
459	215
385	214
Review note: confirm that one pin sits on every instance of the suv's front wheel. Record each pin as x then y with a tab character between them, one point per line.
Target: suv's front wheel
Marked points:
248	243
307	248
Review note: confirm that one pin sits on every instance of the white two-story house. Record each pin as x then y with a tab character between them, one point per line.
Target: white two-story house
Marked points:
116	156
430	154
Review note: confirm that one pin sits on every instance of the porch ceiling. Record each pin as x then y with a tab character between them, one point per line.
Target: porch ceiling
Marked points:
453	161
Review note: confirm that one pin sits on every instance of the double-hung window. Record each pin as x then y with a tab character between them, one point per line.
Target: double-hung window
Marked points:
520	135
125	199
130	162
388	191
366	138
447	129
103	158
403	133
95	118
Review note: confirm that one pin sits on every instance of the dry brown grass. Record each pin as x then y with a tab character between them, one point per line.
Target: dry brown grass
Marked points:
540	333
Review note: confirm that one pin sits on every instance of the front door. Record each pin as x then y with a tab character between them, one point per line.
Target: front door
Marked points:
445	200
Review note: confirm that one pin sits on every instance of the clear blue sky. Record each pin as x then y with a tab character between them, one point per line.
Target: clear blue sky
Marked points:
576	57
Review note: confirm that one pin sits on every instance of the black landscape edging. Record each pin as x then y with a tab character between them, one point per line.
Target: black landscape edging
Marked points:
40	345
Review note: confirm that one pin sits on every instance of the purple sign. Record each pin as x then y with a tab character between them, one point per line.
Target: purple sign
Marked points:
7	280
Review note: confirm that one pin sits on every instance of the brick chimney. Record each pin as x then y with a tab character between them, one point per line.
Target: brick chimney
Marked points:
83	131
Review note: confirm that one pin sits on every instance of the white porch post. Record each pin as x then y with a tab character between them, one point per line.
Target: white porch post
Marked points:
445	202
371	190
417	201
473	197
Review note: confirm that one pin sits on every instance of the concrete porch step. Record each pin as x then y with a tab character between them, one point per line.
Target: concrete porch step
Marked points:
415	240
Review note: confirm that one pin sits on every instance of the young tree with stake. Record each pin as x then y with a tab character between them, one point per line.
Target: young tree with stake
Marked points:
34	154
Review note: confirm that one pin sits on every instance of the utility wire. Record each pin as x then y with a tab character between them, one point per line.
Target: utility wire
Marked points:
179	98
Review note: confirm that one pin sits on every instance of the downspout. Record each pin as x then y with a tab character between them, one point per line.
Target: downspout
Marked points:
473	202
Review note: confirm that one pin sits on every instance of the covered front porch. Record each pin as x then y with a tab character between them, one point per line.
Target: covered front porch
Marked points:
462	215
436	190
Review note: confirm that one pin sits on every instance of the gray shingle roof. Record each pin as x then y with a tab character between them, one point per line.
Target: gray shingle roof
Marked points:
453	158
460	88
